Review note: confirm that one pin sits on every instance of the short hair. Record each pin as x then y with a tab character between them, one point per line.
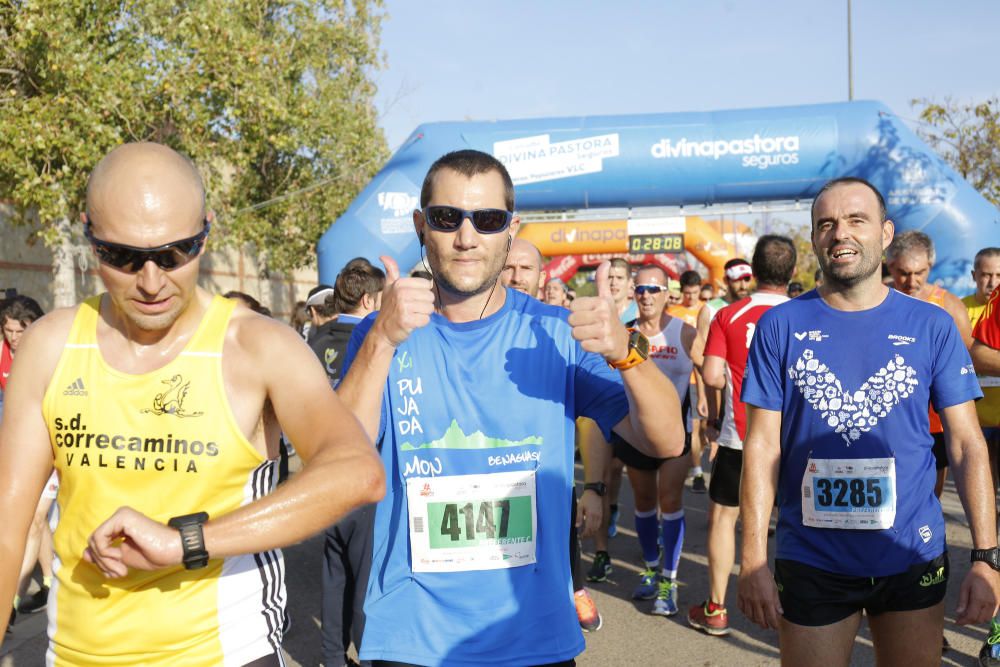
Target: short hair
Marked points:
657	267
907	242
774	260
735	261
469	163
250	302
848	180
358	262
985	253
690	278
300	315
622	263
353	285
20	308
326	307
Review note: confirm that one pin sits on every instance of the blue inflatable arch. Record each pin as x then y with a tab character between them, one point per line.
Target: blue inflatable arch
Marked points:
682	159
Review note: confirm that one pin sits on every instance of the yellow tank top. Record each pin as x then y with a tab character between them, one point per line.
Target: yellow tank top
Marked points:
988	408
165	443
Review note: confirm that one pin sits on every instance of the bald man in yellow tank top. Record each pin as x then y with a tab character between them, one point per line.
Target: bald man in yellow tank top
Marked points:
160	406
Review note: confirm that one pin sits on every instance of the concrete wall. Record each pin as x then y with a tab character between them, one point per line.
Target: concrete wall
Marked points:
28	268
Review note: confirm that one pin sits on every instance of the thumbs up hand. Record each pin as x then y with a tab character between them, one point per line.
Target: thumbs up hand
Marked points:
595	321
407	304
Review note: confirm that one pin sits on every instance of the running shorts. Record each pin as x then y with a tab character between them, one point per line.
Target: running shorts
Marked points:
813	597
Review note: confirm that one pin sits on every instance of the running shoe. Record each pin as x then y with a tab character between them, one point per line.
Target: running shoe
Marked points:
666	599
13	617
698	484
989	655
586	611
613	523
713	621
647	588
36	602
600	570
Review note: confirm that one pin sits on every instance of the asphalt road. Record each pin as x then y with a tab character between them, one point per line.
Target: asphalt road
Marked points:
630	635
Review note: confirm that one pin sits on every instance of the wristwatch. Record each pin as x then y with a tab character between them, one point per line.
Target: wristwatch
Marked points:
638	351
989	556
600	488
192	539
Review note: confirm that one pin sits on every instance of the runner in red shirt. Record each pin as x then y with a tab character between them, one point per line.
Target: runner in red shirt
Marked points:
725	361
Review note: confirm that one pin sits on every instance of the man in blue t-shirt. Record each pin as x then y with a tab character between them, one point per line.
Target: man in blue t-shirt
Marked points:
472	391
837	387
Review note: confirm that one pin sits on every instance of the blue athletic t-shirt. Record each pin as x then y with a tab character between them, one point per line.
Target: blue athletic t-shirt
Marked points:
499	395
851	386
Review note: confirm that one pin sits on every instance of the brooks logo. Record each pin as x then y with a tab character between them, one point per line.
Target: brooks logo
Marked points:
76	389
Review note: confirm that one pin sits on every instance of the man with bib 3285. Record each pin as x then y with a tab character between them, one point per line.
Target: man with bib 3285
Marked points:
837	386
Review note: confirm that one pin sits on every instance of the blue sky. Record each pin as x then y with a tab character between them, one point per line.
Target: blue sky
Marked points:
451	60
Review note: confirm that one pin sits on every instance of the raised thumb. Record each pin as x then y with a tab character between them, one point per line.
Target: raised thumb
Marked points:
602	280
391	269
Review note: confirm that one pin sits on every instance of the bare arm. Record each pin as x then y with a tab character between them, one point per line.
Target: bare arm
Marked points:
25	451
596	453
960	314
985	358
407	304
714	372
758	596
342	469
969	460
653	424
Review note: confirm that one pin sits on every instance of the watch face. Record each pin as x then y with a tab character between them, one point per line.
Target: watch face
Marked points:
640	344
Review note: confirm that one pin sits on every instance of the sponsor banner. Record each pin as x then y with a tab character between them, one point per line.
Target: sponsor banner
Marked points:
537	158
391	206
785	145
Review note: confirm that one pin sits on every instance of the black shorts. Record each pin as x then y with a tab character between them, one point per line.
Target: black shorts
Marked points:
724	487
633	458
940	451
813	597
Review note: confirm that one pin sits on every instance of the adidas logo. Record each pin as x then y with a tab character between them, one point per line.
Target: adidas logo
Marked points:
76	389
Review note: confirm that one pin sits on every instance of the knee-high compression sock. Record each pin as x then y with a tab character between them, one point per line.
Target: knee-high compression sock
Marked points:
673	541
645	529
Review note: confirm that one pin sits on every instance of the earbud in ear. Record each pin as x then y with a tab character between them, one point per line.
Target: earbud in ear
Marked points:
420	238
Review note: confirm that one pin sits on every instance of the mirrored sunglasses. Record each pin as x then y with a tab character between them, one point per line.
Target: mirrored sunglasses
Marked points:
652	289
485	220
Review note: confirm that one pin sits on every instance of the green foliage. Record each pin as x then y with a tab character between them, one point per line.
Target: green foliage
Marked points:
968	137
272	100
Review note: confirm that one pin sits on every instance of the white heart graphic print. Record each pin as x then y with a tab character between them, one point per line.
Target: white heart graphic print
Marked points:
852	413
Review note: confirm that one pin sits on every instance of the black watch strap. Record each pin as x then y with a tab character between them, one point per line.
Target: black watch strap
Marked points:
989	556
192	539
597	487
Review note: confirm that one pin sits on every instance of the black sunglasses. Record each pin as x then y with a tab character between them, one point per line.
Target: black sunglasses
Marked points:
128	258
485	220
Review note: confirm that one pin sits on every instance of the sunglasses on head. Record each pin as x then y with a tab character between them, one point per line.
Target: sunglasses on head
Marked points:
652	289
128	258
485	220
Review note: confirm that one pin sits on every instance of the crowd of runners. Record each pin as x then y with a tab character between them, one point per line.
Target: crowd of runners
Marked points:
151	426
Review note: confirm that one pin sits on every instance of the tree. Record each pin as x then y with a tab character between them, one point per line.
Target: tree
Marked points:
271	98
968	137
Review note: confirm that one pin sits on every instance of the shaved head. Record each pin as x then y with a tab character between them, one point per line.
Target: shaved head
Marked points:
523	268
146	195
145	180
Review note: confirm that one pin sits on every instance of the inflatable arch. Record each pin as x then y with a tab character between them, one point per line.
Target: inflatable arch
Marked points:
677	160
